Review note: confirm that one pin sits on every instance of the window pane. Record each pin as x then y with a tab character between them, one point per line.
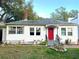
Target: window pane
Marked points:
19	30
63	31
12	30
37	31
31	31
70	31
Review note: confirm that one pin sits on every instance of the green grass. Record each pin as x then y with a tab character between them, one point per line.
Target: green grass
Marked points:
35	52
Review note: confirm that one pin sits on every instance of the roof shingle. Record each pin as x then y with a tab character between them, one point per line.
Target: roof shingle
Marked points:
41	22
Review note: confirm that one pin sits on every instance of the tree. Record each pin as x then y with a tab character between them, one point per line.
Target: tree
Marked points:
16	10
62	14
73	13
31	14
12	9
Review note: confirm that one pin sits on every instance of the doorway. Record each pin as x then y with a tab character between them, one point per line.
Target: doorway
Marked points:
51	33
0	35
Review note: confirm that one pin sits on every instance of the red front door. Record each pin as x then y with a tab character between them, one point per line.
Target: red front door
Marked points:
50	33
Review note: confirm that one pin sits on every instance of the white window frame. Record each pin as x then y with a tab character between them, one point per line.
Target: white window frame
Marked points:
11	30
38	31
20	30
15	30
32	31
63	32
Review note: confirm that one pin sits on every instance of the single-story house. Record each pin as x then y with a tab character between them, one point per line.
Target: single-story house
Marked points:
36	31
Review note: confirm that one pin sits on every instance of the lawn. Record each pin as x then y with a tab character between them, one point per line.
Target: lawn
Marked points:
35	52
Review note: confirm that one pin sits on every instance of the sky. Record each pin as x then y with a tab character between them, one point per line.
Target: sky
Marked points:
44	8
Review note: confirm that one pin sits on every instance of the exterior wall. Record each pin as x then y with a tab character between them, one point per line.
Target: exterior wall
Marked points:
25	38
76	21
73	38
78	32
3	35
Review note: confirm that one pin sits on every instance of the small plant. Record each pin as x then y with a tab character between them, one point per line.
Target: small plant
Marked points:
43	43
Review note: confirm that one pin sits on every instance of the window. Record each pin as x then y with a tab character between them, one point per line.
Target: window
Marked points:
15	30
38	31
63	31
12	30
31	31
19	30
69	31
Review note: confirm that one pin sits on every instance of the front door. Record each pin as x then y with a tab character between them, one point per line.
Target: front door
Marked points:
50	33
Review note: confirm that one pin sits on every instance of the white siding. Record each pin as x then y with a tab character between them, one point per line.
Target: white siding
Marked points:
73	38
76	21
55	33
3	34
25	38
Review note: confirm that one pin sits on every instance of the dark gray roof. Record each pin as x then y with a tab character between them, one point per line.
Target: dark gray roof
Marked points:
41	22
